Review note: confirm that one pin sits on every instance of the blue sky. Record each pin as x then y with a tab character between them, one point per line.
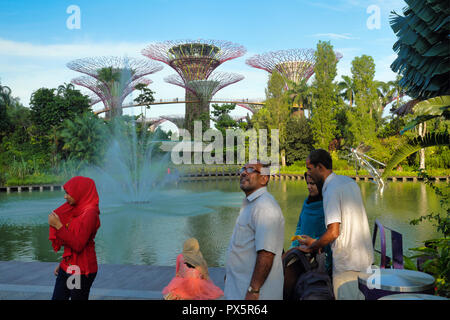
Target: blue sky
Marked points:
35	43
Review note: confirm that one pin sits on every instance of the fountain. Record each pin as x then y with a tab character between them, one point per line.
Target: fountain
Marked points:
361	160
132	169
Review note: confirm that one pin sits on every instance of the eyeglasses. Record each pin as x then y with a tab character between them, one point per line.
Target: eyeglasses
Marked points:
249	170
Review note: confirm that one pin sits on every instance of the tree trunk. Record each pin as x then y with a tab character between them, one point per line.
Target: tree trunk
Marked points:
422	131
283	158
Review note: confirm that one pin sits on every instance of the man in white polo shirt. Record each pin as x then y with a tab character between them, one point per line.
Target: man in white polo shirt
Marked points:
347	226
253	261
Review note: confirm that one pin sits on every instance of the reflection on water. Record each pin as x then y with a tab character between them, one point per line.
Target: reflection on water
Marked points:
154	233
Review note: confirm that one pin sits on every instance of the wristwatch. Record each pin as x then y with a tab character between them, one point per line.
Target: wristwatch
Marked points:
251	290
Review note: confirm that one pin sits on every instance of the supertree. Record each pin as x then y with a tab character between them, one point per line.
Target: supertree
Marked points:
193	60
112	96
112	79
204	90
296	66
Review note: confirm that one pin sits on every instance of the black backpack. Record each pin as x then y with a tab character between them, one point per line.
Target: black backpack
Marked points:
305	277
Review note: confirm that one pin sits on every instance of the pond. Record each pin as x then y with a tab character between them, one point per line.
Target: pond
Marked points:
153	233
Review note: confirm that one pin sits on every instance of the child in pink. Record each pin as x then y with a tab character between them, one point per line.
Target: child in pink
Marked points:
191	281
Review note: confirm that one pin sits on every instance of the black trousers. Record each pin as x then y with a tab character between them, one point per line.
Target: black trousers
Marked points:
63	291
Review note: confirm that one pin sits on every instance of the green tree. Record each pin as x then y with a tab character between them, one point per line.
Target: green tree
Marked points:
325	96
221	116
299	139
276	112
362	123
5	101
83	138
146	97
49	108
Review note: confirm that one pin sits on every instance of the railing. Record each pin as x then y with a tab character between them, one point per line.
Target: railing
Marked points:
259	102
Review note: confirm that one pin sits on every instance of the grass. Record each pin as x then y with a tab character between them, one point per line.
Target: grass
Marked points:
35	180
42	178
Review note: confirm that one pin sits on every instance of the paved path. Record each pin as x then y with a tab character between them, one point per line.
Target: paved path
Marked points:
35	281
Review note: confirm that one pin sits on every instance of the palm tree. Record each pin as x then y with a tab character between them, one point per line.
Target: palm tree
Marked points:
299	96
5	95
108	75
347	90
397	90
5	101
83	137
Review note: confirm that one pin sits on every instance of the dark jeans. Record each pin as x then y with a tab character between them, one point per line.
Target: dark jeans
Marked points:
62	292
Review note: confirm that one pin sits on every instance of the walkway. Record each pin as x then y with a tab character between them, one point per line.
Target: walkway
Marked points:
35	280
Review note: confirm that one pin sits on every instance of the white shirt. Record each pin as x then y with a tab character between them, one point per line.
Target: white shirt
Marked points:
259	226
342	202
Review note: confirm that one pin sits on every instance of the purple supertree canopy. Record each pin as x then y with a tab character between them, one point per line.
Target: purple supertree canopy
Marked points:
204	90
295	65
112	79
194	59
103	91
93	66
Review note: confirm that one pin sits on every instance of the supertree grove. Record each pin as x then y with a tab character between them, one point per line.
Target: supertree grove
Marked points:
112	79
194	60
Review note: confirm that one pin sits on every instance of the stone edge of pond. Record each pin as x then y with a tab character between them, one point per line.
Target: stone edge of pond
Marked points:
196	177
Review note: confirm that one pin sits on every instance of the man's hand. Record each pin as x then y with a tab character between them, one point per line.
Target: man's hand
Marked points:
263	265
252	296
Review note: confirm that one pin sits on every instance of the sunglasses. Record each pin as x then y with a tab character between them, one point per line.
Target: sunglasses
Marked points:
249	170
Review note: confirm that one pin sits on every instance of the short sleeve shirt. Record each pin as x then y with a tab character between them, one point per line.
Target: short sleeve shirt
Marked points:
342	203
259	226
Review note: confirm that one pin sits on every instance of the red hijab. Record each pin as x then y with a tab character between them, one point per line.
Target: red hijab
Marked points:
84	192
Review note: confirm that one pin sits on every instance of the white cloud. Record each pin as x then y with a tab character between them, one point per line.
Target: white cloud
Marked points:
51	51
26	67
335	36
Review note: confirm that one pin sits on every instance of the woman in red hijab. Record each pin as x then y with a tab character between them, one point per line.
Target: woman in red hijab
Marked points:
74	226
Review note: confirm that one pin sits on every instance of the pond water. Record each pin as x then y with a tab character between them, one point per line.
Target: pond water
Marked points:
153	233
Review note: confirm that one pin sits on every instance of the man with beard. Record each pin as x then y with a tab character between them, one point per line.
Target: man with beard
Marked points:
347	226
253	262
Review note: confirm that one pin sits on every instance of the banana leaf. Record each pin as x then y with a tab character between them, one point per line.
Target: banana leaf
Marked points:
413	145
434	106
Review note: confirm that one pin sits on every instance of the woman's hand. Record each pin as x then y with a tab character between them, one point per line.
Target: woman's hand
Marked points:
56	270
305	243
306	240
53	220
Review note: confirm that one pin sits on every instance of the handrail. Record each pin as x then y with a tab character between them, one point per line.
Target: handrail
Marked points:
176	100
